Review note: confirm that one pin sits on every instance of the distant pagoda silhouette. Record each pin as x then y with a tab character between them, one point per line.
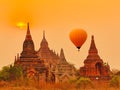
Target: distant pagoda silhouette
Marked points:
94	67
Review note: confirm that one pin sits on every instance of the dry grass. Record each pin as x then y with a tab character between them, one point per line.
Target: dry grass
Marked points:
23	85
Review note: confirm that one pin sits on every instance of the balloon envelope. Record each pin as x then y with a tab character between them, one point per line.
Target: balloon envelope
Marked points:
78	37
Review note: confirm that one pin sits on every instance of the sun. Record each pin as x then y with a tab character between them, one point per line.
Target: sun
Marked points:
21	25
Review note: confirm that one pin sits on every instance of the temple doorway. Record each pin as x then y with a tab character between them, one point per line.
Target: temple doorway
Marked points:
98	69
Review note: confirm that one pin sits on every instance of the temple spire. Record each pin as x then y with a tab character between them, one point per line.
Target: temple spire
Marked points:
93	48
62	56
62	53
15	59
44	42
44	34
28	35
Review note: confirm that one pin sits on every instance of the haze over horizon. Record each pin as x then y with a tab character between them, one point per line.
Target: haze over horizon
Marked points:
100	18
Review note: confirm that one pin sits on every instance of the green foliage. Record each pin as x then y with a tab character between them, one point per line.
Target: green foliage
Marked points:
73	80
4	73
11	73
84	83
15	72
115	81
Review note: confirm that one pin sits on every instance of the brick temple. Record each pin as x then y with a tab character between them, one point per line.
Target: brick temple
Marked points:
44	64
32	65
48	66
94	67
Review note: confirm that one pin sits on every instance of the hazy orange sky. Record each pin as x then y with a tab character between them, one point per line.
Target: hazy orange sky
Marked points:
100	18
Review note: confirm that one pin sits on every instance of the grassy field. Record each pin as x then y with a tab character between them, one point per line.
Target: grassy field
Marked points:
21	85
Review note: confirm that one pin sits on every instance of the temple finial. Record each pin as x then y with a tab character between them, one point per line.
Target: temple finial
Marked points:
43	33
62	56
17	55
44	42
28	35
28	29
92	46
15	59
92	37
62	53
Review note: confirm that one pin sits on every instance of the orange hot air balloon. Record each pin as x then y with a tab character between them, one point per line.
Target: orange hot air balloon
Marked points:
78	37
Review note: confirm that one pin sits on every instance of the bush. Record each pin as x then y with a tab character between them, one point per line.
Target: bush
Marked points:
4	74
9	73
84	83
115	81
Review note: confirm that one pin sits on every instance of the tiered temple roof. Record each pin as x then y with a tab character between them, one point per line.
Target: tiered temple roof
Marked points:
94	66
28	59
63	70
44	52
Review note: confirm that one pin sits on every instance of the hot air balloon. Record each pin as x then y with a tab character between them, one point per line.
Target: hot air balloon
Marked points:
78	37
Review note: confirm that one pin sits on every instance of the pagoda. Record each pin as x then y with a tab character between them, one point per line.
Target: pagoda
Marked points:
32	65
94	67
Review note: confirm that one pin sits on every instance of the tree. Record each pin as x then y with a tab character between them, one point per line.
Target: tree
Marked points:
84	83
115	81
4	73
15	72
11	73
